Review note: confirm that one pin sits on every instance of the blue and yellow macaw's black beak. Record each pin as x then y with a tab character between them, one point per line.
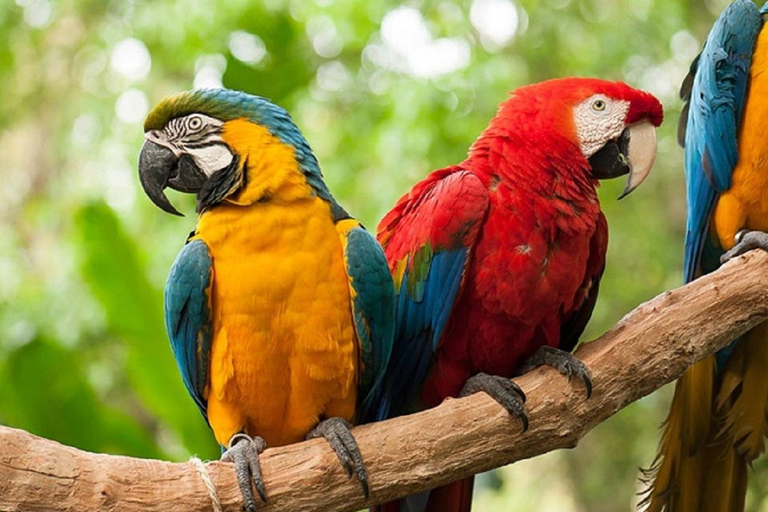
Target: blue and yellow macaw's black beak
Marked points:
160	167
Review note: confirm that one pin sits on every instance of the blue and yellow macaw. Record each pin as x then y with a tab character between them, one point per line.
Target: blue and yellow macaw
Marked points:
717	422
280	306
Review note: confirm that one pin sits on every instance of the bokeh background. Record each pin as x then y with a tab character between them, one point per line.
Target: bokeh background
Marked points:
384	92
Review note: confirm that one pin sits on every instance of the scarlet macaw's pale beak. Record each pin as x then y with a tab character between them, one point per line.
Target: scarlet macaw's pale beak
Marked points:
642	154
633	153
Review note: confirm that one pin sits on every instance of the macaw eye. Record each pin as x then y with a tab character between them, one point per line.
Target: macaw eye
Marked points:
195	123
598	105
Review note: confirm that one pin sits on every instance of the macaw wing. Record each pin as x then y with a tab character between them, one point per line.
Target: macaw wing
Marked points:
428	239
373	306
188	317
716	97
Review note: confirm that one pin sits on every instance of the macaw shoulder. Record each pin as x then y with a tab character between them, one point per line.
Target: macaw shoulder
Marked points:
370	282
372	299
188	316
443	213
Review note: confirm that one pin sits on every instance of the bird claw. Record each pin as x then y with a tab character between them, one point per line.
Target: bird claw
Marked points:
745	242
503	390
564	362
336	432
244	452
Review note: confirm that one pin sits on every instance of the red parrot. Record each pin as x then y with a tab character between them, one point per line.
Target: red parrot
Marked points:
497	260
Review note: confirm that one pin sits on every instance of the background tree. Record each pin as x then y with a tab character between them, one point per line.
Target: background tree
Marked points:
384	92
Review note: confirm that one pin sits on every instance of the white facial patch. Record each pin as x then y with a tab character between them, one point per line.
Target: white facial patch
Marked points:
197	135
599	119
212	158
191	126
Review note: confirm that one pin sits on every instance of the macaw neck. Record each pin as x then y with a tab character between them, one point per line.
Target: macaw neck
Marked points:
271	169
271	174
550	167
550	178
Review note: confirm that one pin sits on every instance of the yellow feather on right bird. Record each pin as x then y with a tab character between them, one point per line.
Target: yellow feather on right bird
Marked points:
717	421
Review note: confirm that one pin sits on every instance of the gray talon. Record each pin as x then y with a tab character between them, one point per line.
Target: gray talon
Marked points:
564	362
336	432
244	452
503	390
745	242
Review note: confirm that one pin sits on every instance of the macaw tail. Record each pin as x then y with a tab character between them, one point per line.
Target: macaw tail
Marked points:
454	497
715	429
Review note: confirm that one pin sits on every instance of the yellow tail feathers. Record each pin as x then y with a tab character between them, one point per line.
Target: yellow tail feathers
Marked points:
677	468
744	391
715	428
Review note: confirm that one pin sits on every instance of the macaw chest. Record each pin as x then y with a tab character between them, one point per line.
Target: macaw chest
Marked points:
523	281
283	329
745	204
528	272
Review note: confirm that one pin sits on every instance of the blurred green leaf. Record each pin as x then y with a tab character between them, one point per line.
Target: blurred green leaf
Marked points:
51	398
113	269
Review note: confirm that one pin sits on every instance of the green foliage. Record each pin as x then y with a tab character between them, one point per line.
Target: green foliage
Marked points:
112	268
50	387
84	255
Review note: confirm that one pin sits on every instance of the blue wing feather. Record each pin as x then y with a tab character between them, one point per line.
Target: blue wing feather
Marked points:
373	306
429	275
714	115
420	323
450	265
187	317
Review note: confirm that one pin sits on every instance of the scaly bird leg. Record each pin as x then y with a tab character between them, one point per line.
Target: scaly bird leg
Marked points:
503	390
336	432
562	361
244	452
745	242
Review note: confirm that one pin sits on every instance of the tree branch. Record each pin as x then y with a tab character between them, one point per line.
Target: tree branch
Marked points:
651	346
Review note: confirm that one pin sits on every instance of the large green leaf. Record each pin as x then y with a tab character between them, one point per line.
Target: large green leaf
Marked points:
46	393
113	268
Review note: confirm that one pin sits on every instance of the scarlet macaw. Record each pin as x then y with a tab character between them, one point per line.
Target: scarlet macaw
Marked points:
497	260
280	306
717	420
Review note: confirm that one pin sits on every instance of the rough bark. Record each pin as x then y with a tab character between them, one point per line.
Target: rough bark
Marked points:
649	347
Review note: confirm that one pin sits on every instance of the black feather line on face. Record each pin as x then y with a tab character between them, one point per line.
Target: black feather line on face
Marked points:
221	184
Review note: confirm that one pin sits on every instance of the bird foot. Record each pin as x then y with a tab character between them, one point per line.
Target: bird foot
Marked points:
564	362
745	242
336	432
244	451
503	390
